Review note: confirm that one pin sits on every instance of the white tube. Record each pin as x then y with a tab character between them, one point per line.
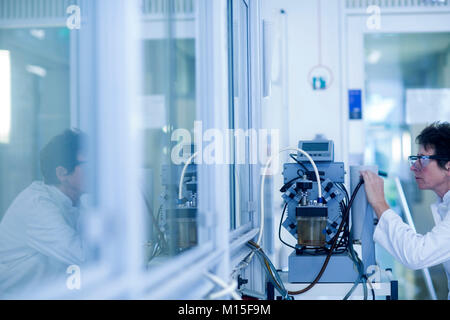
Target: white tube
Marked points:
183	172
319	189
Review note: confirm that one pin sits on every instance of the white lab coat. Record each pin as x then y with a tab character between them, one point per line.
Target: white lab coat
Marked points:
414	250
38	241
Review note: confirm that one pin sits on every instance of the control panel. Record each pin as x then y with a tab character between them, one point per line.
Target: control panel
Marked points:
318	150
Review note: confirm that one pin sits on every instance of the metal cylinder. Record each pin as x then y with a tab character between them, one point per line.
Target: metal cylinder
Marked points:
182	223
186	233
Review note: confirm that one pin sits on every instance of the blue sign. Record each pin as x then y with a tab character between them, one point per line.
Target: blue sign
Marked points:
355	104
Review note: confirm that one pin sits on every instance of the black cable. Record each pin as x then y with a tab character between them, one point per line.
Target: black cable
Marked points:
288	184
343	206
345	191
309	173
279	228
343	243
296	160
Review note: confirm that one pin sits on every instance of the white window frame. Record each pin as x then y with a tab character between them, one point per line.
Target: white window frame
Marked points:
248	231
256	274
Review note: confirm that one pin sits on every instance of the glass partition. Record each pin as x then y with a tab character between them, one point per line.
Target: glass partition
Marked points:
169	125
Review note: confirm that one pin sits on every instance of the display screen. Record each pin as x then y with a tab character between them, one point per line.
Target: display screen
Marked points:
315	146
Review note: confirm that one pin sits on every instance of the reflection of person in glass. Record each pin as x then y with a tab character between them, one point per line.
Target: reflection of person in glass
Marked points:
431	168
39	237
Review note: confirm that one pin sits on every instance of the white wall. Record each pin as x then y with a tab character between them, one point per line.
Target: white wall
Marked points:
311	112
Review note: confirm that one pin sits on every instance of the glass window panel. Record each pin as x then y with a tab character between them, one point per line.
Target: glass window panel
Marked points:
241	114
169	121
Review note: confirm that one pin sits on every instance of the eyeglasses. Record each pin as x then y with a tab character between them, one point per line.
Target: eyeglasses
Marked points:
420	162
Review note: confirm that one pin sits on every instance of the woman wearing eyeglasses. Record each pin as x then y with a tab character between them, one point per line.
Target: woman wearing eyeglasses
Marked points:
431	169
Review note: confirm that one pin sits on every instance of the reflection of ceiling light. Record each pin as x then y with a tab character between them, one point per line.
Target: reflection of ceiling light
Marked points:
396	149
5	96
374	57
406	145
39	71
38	33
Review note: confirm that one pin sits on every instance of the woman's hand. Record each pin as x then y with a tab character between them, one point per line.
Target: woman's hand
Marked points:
374	186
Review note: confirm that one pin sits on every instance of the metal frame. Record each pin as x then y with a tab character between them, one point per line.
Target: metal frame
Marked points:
246	230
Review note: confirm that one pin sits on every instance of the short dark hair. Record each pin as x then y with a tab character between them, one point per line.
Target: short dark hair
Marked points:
437	136
62	150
